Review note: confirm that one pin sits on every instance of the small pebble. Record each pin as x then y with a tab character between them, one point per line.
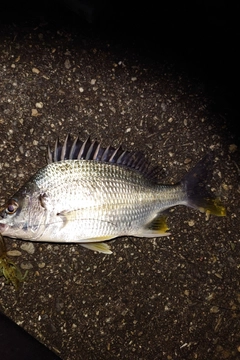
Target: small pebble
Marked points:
67	64
163	106
39	105
232	148
112	108
35	112
187	161
41	265
225	187
26	266
28	247
214	309
14	253
35	70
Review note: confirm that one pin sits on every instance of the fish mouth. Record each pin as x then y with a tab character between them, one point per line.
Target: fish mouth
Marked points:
3	227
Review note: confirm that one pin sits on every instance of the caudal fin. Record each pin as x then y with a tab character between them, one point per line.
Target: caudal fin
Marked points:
195	184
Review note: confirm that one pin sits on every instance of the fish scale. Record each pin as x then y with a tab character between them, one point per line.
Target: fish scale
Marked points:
89	194
103	190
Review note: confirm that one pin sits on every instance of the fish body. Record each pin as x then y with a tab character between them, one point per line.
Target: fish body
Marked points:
88	194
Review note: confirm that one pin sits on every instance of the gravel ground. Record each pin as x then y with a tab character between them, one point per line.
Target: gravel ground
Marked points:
171	298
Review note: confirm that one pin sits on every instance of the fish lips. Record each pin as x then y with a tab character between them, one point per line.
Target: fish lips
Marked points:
3	227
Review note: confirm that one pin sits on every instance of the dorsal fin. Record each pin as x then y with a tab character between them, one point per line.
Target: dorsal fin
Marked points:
88	150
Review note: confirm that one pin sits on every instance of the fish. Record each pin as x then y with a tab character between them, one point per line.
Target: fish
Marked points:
89	194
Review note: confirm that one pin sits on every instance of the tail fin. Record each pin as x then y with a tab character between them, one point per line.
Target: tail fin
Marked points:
195	185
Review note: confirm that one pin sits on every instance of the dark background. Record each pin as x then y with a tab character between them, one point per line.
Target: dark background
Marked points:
200	37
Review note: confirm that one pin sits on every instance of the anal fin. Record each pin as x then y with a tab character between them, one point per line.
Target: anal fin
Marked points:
156	228
98	246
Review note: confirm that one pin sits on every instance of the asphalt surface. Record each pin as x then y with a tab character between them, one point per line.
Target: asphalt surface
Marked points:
158	92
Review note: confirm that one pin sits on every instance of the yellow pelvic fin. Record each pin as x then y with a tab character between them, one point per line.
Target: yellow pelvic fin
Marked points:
213	206
98	246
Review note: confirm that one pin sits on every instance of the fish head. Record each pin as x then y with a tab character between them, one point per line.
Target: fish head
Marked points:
19	218
12	217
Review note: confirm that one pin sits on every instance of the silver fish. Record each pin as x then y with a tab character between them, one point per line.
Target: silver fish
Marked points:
88	194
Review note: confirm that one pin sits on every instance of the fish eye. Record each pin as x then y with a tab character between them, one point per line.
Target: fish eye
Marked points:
11	207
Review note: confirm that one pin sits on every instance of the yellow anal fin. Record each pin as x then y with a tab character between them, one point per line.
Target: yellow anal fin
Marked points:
213	207
98	246
157	227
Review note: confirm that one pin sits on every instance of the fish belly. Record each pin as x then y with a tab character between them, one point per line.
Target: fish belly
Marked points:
95	224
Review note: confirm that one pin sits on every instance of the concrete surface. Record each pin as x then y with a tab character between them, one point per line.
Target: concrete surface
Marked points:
165	90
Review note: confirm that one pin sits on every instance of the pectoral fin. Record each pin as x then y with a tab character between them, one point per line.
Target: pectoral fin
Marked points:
69	216
98	246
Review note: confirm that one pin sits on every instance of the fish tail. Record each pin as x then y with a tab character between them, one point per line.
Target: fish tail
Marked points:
196	183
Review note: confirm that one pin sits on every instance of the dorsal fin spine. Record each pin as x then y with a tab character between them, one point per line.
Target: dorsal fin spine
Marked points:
105	153
95	155
64	148
115	155
55	154
88	150
71	154
82	148
49	155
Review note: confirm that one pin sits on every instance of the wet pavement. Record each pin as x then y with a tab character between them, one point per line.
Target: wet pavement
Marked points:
169	298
